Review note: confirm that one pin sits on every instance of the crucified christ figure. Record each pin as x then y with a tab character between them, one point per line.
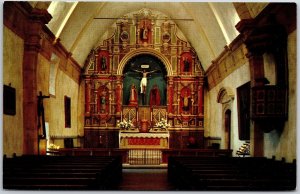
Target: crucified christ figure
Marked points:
143	83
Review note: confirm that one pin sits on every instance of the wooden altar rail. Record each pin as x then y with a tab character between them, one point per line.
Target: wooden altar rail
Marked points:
142	156
92	152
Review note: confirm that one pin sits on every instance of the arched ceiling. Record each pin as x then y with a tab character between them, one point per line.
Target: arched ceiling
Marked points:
212	28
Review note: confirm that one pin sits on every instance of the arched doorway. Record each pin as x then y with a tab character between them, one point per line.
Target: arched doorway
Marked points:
226	97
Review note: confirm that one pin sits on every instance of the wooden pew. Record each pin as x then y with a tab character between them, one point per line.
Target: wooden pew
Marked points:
62	173
229	173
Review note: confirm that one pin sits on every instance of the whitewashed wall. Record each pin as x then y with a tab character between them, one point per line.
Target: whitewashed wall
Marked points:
13	49
214	126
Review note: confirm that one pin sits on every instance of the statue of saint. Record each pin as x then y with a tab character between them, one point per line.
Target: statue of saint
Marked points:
103	63
154	96
186	101
145	33
186	65
103	101
133	95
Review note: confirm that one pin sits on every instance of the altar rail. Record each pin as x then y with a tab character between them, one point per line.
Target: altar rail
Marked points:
144	157
141	156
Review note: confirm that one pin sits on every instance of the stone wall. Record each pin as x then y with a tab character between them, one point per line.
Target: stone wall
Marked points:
30	52
13	47
282	143
214	111
228	72
65	85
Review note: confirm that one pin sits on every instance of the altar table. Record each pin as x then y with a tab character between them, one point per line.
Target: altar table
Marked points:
144	140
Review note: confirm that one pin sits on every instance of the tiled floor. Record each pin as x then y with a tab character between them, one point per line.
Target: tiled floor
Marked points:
145	180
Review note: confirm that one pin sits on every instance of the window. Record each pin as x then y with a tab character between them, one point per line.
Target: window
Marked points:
67	112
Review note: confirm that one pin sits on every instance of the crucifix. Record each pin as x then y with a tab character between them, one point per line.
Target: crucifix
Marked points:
143	83
40	111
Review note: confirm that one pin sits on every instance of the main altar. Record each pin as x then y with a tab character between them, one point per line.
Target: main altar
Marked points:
144	140
143	73
144	127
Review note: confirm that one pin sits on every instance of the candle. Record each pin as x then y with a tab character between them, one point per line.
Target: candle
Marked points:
151	116
128	116
121	115
158	116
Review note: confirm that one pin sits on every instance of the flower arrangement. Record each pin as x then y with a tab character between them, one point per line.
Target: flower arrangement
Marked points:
125	124
163	124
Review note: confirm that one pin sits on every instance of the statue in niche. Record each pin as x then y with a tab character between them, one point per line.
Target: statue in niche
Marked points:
103	63
186	101
143	83
154	96
186	64
133	95
103	102
145	33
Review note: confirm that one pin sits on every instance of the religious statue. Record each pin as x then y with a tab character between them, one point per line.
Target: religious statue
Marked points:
143	83
133	95
186	64
41	115
145	33
144	30
186	99
154	96
103	63
103	101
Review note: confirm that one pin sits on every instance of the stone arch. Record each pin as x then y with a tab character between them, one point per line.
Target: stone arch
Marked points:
225	95
139	51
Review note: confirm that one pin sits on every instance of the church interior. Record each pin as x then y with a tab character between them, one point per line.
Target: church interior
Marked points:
203	93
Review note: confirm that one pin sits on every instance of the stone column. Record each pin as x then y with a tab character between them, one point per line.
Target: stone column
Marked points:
256	47
36	20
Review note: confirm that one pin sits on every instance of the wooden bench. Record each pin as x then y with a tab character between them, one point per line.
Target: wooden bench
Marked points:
62	172
236	174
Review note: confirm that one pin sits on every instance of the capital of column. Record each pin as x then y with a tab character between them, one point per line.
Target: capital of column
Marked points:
37	18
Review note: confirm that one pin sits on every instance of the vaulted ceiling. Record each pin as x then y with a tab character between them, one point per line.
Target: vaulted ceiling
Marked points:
211	29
